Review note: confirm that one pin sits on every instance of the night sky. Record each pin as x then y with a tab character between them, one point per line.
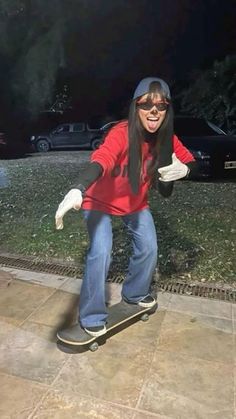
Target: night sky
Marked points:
107	46
111	50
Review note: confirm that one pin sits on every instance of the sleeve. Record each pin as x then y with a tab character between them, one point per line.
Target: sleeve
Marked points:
114	145
193	169
89	176
183	154
165	188
104	158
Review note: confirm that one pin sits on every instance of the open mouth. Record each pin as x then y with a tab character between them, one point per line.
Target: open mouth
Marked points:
152	122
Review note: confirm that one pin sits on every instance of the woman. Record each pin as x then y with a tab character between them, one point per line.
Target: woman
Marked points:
136	154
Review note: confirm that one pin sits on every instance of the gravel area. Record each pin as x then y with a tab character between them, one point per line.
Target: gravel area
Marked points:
64	157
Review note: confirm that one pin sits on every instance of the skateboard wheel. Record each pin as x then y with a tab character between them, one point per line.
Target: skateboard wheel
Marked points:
145	317
93	347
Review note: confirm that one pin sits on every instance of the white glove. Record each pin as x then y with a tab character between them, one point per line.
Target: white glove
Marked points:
72	200
176	170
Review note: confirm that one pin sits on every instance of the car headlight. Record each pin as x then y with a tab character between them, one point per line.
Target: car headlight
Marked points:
200	155
32	138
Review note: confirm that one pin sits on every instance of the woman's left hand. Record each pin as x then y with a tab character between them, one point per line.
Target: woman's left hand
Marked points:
176	170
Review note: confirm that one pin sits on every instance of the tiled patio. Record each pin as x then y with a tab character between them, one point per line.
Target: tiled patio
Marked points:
180	364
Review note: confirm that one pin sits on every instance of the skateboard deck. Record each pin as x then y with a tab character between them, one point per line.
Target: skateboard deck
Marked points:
118	315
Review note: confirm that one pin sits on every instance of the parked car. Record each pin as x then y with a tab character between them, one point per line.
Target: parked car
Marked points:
69	135
213	148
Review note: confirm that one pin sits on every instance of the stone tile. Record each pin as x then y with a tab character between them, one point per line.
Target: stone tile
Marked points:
39	278
31	353
115	372
201	305
164	299
197	336
41	331
183	387
19	397
5	328
5	279
234	311
113	293
235	390
20	299
72	285
59	310
144	415
221	324
62	405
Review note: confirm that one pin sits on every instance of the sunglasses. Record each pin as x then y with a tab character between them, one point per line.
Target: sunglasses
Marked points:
148	105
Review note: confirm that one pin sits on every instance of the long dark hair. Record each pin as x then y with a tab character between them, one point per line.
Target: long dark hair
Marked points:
161	140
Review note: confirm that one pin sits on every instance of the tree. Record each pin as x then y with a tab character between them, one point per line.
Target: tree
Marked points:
31	49
94	42
212	95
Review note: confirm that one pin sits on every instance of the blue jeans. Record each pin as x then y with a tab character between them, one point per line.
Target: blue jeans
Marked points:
140	225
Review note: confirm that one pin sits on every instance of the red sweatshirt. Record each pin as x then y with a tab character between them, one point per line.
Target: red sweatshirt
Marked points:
112	193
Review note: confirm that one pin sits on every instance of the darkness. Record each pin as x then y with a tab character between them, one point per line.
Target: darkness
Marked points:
168	39
108	46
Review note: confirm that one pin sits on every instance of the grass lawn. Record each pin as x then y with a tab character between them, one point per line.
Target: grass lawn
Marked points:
196	226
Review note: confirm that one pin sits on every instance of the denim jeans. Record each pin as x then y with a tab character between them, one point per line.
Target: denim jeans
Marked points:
140	226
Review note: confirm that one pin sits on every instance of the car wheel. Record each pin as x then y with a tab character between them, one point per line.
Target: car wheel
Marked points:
42	145
96	143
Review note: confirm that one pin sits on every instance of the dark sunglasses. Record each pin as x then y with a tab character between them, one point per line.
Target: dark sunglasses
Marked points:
148	105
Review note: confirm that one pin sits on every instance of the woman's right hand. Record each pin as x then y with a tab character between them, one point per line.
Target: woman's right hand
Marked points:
73	199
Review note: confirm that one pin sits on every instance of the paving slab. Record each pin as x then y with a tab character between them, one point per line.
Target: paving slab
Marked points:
20	299
198	336
62	405
39	278
19	397
205	306
181	386
180	364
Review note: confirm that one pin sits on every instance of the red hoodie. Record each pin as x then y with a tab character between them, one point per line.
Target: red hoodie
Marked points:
112	193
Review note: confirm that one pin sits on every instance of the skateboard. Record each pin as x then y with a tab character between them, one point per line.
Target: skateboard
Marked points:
121	314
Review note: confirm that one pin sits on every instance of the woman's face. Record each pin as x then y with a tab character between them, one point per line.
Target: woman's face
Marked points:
153	116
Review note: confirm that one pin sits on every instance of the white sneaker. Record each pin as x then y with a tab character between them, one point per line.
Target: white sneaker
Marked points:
147	302
96	331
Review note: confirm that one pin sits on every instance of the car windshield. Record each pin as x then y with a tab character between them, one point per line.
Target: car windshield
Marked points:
216	128
78	127
61	128
108	125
